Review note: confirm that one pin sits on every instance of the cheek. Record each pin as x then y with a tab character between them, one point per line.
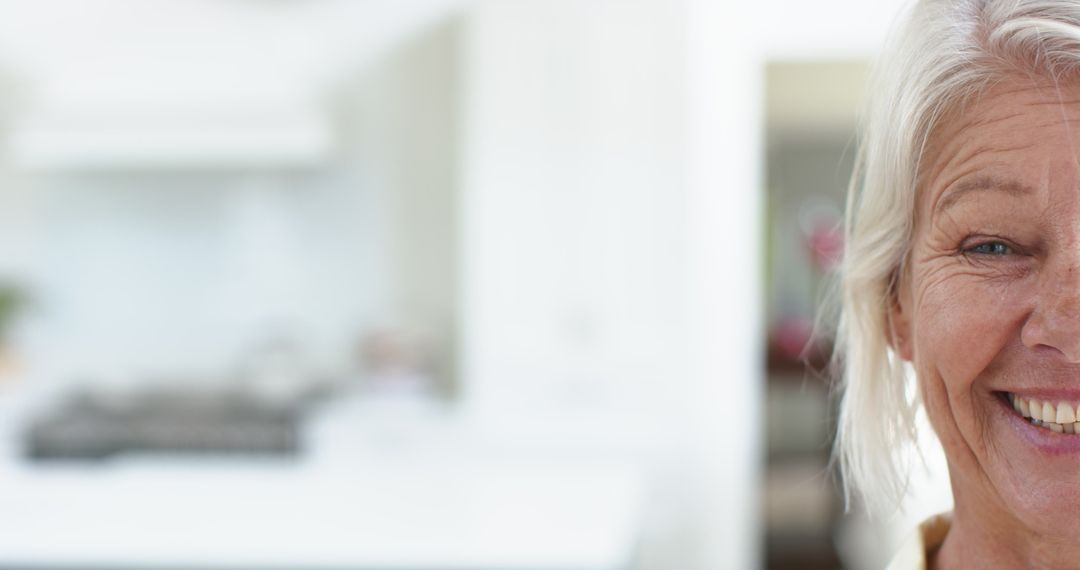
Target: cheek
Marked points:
962	324
960	327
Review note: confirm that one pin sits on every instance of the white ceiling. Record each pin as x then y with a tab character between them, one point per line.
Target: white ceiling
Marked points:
85	54
122	83
821	29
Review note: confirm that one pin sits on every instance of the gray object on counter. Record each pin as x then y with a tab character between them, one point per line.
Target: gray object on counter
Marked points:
164	422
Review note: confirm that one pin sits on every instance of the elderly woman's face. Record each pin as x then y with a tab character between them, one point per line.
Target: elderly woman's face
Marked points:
989	306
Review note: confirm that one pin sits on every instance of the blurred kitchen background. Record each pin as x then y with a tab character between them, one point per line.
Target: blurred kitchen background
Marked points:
425	284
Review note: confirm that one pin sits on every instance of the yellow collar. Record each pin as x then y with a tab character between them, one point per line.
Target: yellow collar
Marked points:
913	554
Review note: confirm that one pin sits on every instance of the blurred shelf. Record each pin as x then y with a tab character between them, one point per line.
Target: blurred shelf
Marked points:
800	553
800	499
814	364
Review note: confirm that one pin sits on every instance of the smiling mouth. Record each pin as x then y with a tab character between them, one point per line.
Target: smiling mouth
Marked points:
1059	417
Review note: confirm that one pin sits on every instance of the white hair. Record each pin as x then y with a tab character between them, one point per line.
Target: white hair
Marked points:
945	52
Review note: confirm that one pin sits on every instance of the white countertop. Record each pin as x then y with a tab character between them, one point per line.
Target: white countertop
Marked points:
386	489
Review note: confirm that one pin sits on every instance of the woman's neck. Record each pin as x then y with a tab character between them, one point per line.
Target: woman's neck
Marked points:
983	535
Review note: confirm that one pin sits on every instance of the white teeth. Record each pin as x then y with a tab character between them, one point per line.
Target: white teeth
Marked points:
1061	417
1065	413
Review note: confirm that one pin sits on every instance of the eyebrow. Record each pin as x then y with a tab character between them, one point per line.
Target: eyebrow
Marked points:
954	193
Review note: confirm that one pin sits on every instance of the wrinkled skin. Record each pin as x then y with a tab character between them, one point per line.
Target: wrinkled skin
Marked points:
989	302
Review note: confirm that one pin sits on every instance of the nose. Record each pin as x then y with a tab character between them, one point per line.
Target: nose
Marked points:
1055	320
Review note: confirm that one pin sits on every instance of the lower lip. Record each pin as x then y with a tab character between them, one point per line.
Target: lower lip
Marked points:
1046	441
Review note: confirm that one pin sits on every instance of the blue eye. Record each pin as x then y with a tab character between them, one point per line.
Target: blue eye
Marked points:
991	248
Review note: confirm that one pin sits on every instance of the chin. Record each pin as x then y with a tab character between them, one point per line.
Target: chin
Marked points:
1033	458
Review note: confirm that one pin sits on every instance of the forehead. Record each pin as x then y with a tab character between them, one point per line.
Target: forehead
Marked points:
1019	130
1024	104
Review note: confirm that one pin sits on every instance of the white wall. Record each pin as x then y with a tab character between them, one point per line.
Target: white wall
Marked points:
724	224
142	274
573	206
402	124
174	273
76	55
611	215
